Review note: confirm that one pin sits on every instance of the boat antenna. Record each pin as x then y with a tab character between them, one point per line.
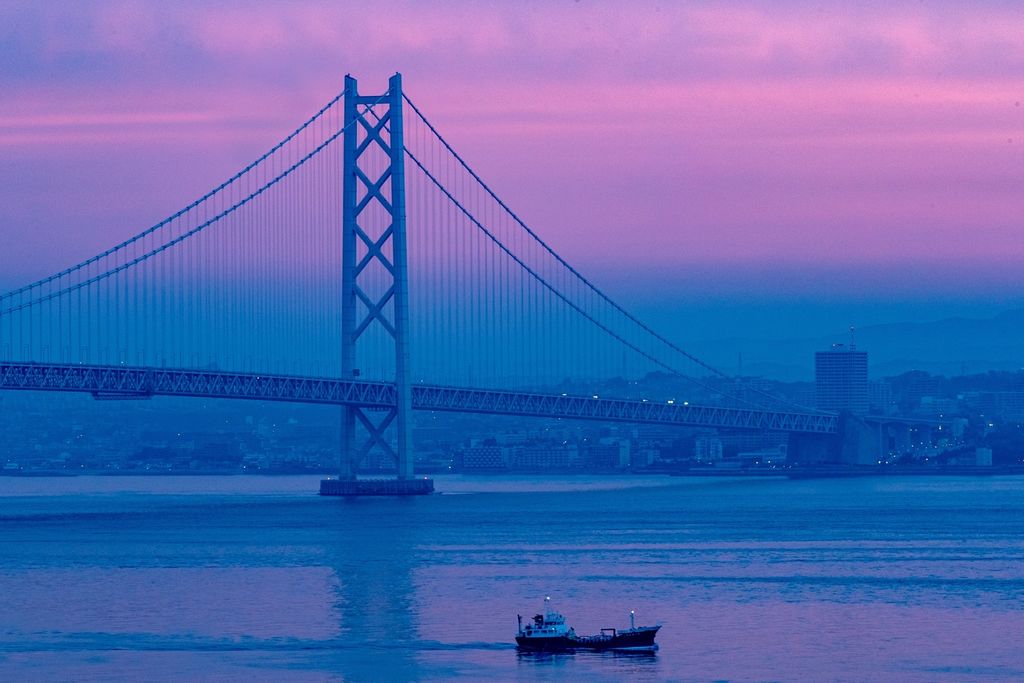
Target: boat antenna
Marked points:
632	616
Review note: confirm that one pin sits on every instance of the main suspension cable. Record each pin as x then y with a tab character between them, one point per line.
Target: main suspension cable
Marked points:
185	235
599	292
154	228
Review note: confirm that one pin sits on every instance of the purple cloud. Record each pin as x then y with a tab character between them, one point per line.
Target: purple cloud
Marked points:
723	137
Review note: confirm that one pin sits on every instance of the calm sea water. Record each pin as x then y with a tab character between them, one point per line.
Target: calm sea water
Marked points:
256	579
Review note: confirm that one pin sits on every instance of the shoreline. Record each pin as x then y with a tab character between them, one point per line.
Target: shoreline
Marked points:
826	472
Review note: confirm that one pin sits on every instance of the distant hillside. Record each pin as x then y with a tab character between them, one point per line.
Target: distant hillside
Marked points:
947	347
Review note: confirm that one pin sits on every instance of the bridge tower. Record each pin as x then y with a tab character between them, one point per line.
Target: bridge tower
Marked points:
374	187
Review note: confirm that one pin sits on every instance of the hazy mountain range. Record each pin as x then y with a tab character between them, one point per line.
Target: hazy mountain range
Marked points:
952	346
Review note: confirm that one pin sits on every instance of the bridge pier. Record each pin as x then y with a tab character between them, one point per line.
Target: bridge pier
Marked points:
856	443
861	443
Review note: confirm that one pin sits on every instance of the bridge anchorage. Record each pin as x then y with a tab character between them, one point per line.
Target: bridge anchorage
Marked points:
448	302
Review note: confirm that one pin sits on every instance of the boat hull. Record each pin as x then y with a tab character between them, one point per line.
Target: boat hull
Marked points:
634	640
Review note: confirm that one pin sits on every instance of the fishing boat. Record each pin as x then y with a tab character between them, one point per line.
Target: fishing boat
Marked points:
548	632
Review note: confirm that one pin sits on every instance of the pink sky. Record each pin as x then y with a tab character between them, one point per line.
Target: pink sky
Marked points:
725	146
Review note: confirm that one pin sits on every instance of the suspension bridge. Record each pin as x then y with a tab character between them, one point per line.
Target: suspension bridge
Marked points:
361	262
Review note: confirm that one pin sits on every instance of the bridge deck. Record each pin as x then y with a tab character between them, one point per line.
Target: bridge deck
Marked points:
105	381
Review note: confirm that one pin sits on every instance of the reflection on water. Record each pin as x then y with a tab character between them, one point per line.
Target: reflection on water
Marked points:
158	578
620	665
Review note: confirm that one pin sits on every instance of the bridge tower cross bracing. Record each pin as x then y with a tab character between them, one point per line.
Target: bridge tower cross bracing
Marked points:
375	123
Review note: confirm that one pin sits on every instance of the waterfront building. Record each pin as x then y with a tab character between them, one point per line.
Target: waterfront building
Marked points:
841	379
707	449
491	457
550	457
608	454
1008	405
880	398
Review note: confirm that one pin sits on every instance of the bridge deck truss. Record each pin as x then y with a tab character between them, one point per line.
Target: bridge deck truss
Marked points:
136	382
